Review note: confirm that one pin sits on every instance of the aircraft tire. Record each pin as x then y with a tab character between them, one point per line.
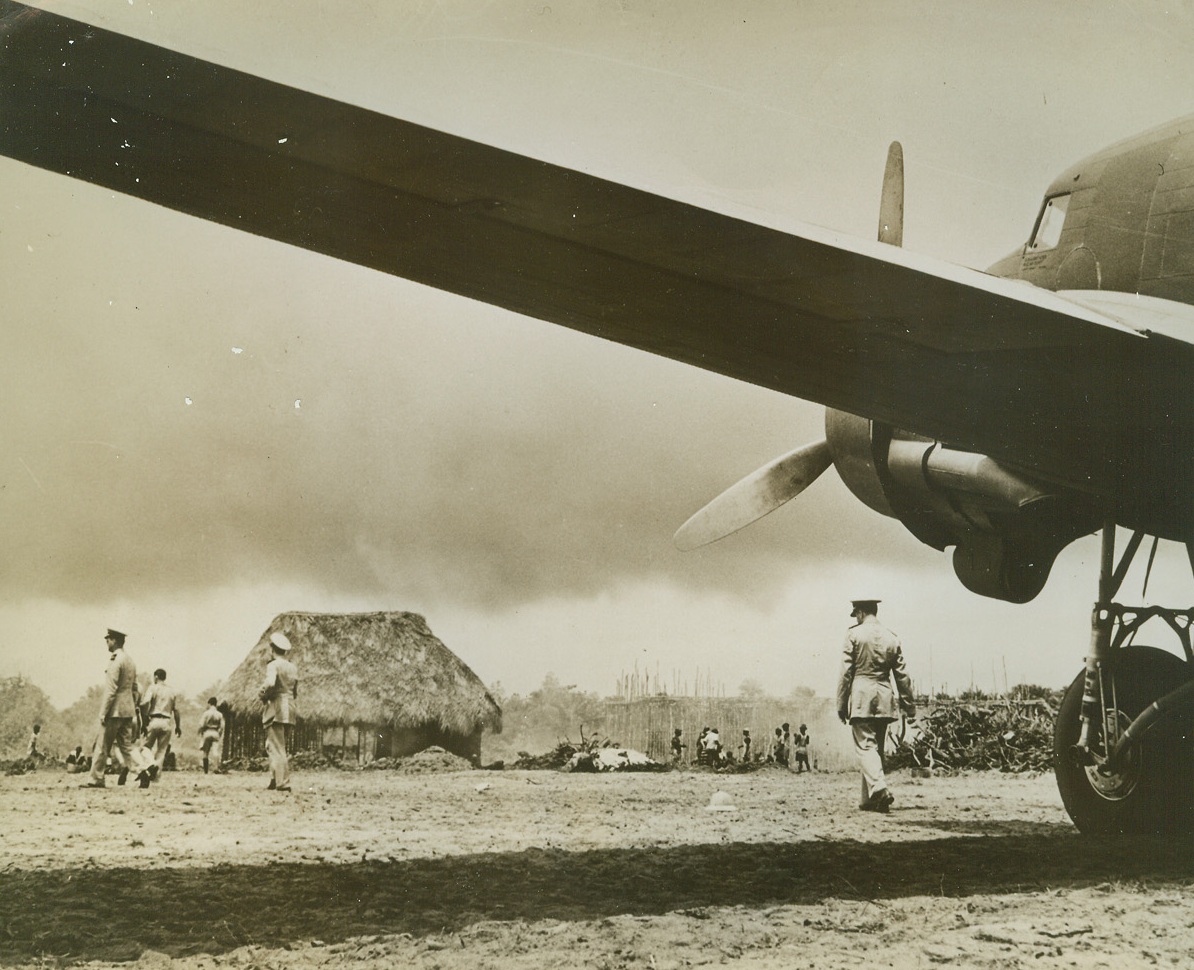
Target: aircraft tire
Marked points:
1156	792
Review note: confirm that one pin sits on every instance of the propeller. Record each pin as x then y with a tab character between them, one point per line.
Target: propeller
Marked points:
781	481
761	492
891	203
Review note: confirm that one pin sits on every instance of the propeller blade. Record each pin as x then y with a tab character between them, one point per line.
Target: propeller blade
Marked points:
891	204
759	493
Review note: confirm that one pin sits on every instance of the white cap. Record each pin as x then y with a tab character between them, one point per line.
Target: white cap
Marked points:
279	642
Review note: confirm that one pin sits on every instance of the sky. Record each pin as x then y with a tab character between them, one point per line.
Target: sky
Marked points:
203	429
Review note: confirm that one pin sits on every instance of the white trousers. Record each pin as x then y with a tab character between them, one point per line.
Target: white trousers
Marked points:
869	735
157	738
213	749
275	747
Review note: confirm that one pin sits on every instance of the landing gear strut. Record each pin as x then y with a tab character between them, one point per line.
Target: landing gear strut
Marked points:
1123	742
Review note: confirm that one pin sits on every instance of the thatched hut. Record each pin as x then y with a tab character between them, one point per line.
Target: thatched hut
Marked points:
379	684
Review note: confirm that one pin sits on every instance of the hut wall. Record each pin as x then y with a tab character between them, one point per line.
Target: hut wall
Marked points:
368	743
646	724
244	737
402	742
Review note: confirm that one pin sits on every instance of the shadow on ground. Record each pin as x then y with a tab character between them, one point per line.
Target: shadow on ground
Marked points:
992	827
115	914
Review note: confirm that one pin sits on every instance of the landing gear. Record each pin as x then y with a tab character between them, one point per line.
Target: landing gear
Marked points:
1123	741
1151	787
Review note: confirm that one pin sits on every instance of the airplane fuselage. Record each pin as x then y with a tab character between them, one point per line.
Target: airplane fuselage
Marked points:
1121	220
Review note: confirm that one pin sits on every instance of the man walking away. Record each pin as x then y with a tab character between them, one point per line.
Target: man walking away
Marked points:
871	659
211	733
279	693
160	707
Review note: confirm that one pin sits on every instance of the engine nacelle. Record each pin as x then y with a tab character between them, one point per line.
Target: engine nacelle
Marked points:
1006	529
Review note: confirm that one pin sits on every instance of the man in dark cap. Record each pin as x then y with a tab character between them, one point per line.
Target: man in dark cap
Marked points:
871	660
117	711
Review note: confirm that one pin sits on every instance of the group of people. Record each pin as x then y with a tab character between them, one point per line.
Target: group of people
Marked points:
136	730
789	750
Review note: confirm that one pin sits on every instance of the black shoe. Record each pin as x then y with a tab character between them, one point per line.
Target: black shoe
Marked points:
880	801
153	772
123	776
272	785
143	779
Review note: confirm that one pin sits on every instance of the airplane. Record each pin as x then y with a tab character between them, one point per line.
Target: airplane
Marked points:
1000	415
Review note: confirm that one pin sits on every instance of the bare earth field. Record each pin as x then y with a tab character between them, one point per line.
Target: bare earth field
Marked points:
541	869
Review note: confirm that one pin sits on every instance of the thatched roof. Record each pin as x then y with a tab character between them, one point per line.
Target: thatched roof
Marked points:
369	669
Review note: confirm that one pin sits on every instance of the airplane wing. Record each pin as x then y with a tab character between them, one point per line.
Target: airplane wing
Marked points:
1049	385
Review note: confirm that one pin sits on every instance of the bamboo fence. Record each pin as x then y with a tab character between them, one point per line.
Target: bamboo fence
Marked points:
646	723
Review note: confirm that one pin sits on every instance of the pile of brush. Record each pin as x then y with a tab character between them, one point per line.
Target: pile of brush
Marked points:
553	760
593	753
996	735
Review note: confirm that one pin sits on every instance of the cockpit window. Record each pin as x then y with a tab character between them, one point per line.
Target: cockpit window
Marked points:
1048	228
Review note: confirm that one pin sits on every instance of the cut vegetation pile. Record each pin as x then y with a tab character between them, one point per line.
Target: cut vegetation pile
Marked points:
591	754
1002	736
553	760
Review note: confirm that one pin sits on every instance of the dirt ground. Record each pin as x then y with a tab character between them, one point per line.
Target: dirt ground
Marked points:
516	869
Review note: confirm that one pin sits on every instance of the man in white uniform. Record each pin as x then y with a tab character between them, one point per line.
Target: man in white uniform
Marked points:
871	660
279	694
160	709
